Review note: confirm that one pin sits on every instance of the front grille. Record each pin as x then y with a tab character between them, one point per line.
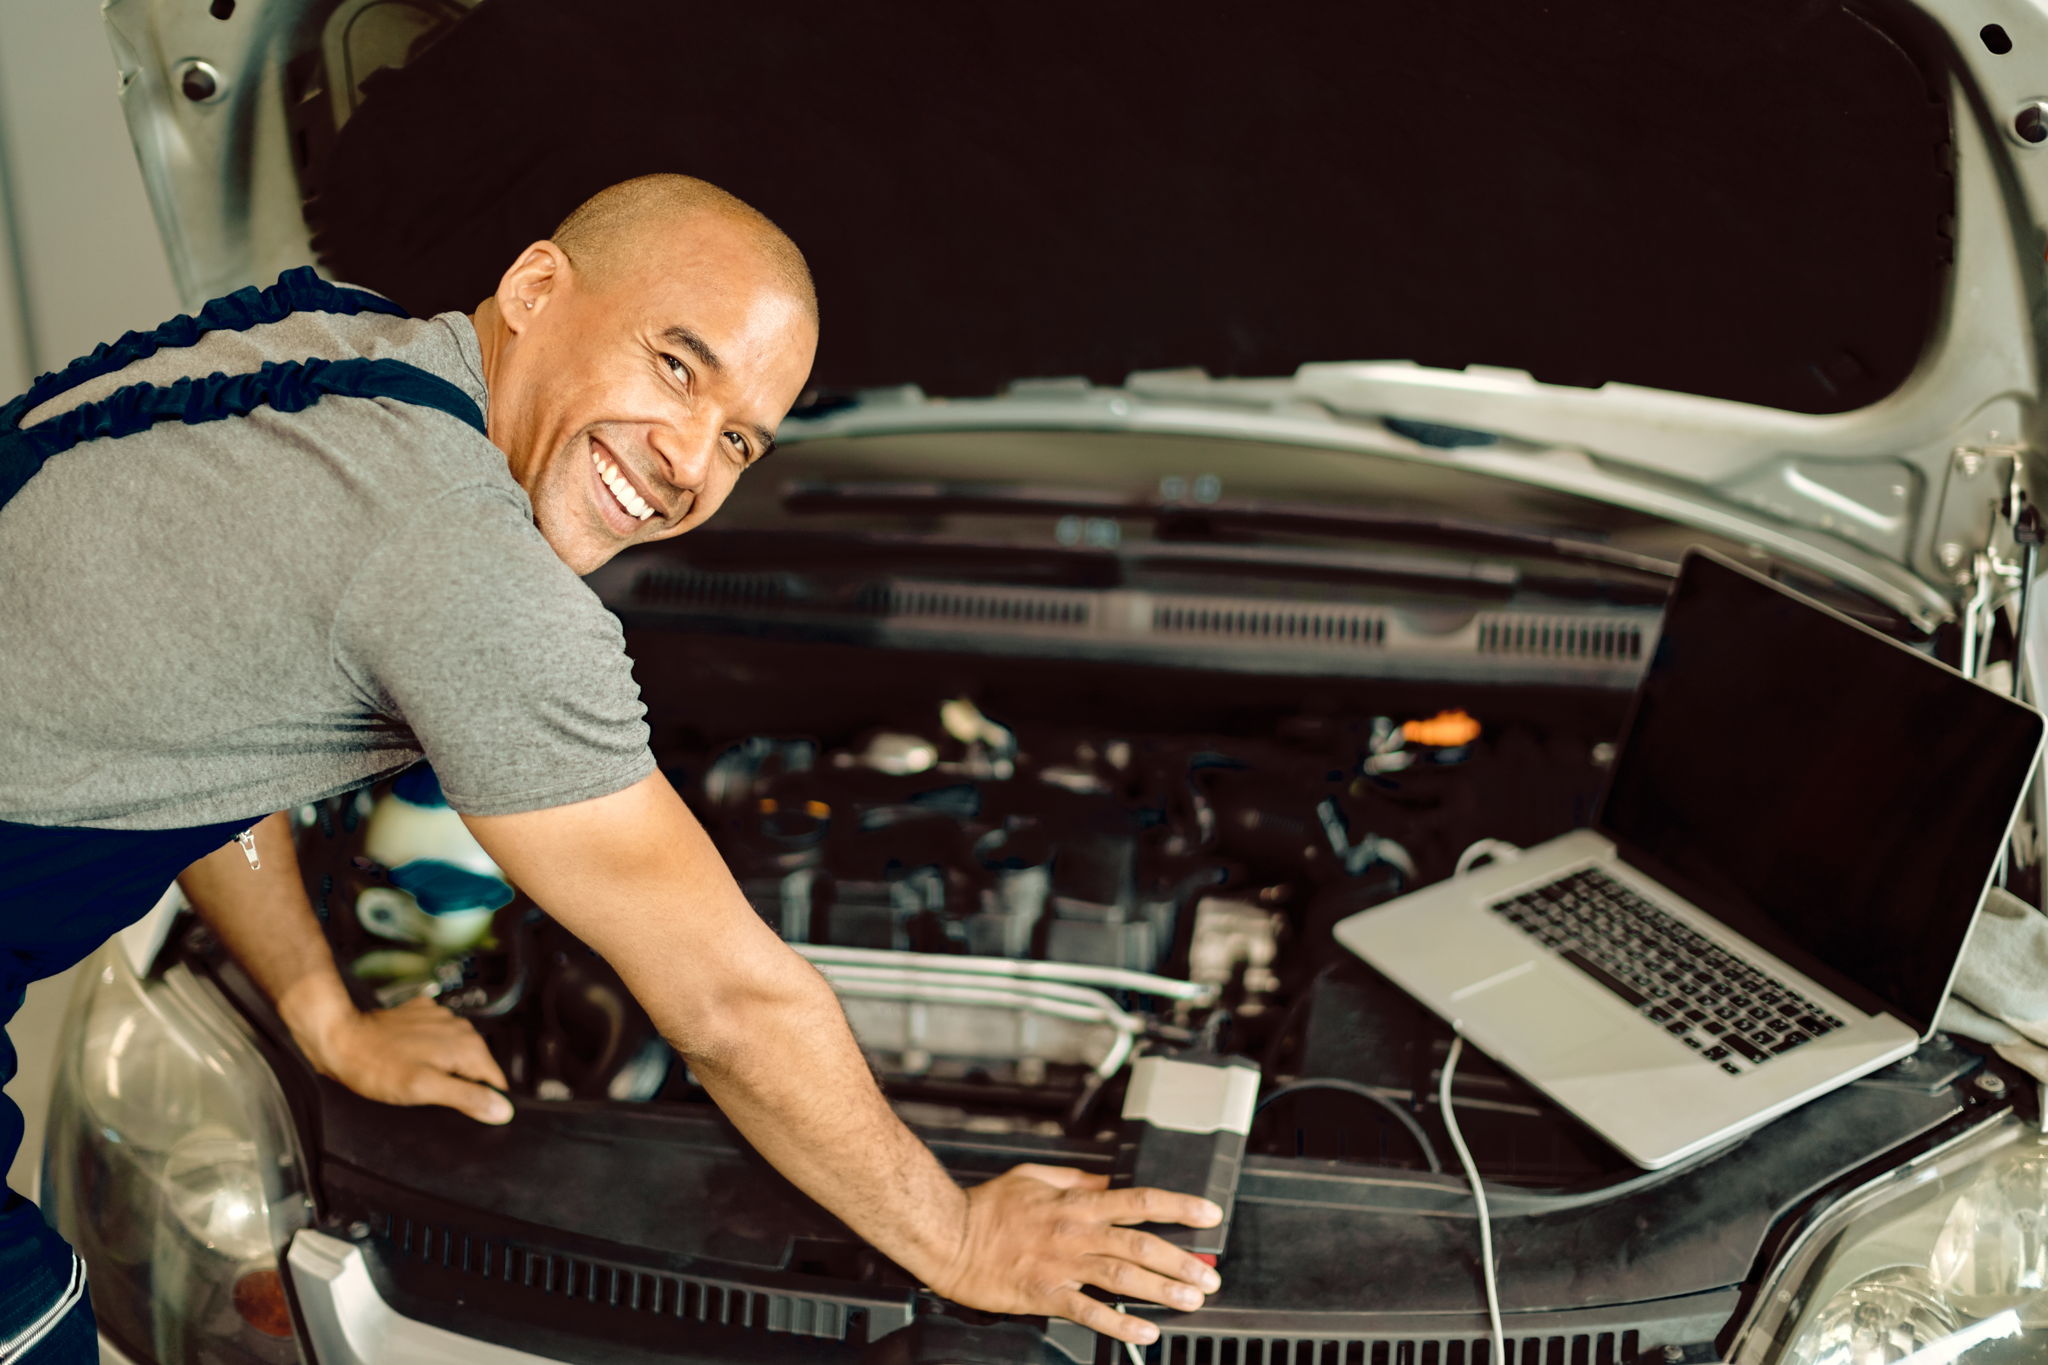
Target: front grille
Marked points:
1585	1348
671	1294
589	1292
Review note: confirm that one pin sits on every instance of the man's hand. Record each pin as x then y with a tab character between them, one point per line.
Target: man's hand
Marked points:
1036	1234
634	876
418	1053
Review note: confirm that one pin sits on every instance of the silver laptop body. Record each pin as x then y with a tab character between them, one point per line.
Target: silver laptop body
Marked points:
1556	981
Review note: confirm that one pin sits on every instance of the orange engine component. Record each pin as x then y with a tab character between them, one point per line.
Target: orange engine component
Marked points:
1444	730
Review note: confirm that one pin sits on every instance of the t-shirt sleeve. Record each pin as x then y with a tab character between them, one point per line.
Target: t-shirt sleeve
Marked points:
464	626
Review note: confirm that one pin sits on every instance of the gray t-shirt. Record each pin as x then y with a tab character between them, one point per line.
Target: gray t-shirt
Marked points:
211	622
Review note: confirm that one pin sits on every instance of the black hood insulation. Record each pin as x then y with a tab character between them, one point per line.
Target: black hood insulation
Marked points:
1748	200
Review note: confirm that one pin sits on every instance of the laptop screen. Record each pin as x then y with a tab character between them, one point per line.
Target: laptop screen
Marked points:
1835	796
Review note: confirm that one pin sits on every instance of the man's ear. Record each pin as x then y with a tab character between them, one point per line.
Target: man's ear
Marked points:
525	289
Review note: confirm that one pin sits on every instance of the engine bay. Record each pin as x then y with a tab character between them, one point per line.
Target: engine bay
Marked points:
1035	885
1017	884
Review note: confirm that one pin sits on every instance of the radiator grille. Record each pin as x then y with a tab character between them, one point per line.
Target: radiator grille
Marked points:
665	1293
1588	1348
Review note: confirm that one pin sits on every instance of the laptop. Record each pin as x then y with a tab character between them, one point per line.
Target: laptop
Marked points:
1773	897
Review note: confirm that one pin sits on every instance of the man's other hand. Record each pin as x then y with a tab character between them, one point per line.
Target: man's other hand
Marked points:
1036	1234
417	1053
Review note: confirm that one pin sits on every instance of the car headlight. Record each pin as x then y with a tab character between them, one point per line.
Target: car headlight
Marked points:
1943	1260
170	1163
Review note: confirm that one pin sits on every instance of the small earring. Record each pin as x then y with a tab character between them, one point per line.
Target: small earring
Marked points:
529	305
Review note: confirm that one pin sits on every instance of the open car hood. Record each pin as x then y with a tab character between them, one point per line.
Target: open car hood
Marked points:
251	118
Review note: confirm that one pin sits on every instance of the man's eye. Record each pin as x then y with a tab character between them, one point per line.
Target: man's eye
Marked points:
739	443
675	366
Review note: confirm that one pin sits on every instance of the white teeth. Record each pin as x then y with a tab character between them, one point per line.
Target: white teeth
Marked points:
635	505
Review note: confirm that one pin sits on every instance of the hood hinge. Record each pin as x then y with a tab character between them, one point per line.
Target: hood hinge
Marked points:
1980	502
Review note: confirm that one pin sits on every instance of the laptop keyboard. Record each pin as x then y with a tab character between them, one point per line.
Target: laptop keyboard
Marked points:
1712	1001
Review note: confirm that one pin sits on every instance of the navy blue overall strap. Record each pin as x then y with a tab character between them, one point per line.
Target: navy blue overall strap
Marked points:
296	291
284	386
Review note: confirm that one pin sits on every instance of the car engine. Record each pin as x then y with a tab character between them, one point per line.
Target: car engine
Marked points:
1011	907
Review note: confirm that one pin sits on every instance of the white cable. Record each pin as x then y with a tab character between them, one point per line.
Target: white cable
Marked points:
947	993
1443	1100
1137	1352
1123	1027
1131	1348
1110	978
1018	988
1500	850
1401	858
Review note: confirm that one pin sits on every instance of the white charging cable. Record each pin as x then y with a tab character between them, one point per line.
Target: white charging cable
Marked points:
1135	1351
1443	1098
1500	850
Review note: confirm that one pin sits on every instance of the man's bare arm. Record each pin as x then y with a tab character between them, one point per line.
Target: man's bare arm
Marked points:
635	877
418	1053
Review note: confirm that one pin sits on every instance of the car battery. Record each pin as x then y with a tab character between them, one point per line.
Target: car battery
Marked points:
1185	1122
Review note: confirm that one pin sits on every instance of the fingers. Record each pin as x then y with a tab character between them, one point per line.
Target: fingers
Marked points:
471	1057
451	1041
1106	1320
1132	1282
1145	1205
1061	1177
1038	1234
427	1086
1156	1253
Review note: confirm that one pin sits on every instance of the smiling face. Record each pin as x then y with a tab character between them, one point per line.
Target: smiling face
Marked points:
629	398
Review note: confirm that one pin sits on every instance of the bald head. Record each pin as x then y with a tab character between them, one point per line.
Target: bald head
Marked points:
633	227
641	358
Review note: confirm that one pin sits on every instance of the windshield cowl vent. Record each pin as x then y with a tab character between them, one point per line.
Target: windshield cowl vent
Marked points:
692	587
1242	621
1560	637
1003	606
1605	647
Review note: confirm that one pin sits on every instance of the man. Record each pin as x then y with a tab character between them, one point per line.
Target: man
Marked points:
281	550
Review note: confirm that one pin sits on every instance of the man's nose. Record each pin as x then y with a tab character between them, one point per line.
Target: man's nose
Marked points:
688	453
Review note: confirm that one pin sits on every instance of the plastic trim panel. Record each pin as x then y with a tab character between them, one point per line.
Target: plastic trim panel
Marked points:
348	1322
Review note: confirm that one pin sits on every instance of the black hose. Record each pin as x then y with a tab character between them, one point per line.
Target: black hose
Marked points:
1276	1045
1402	1116
519	930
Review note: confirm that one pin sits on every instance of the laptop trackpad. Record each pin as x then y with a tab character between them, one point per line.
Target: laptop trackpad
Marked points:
1544	1016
